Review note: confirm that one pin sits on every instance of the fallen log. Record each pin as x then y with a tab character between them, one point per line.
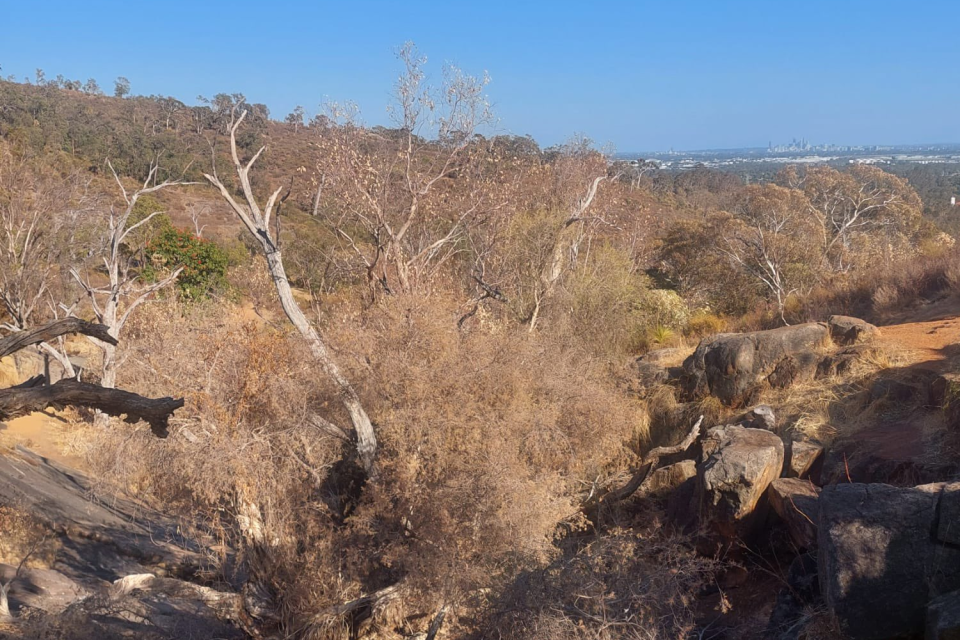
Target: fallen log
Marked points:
20	401
22	339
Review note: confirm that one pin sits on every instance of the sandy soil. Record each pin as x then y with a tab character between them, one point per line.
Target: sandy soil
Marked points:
43	433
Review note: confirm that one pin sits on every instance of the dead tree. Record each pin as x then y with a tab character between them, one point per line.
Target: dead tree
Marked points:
35	395
565	249
115	301
648	464
39	214
257	221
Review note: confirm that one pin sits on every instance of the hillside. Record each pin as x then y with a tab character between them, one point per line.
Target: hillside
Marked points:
324	380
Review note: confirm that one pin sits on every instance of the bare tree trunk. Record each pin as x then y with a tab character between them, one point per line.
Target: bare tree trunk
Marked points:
257	222
316	199
366	437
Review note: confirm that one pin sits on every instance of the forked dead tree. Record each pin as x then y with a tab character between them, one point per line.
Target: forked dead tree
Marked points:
257	221
114	301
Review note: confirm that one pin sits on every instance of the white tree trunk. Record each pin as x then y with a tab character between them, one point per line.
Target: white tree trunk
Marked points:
366	436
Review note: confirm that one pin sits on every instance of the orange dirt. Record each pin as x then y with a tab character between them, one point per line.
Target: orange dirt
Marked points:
932	340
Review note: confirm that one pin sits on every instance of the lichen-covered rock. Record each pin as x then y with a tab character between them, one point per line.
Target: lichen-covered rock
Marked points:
738	464
731	366
879	564
795	501
848	330
760	417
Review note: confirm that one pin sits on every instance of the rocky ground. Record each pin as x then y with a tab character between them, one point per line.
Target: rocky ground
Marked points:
840	526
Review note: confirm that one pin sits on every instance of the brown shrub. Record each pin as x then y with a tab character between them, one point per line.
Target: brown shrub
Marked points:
488	438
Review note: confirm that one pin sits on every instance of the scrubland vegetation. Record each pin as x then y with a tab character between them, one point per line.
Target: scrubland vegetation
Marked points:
475	298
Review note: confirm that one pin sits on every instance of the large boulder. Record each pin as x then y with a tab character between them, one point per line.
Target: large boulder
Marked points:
731	366
847	330
948	529
880	560
901	450
737	466
795	501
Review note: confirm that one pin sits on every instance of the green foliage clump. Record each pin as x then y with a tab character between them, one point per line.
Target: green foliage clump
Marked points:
204	262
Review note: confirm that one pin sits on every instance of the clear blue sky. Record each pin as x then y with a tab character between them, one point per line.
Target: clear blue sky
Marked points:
640	75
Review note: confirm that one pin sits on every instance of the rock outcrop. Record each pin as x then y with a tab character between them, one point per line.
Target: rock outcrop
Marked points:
880	560
732	366
738	464
846	330
113	572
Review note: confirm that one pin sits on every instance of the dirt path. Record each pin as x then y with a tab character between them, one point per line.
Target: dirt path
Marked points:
931	339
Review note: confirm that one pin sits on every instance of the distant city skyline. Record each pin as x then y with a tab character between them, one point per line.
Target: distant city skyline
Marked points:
639	75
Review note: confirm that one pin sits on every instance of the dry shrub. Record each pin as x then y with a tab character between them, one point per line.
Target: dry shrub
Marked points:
878	292
486	435
22	536
487	439
624	585
703	324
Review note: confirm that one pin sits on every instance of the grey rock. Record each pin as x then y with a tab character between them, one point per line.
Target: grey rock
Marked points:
760	417
666	479
943	618
802	458
732	366
948	529
795	501
879	565
848	330
105	536
44	589
738	464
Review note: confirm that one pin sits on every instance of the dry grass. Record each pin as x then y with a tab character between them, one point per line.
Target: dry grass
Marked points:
627	585
825	408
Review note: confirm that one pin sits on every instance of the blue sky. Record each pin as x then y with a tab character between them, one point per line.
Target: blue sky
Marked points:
640	75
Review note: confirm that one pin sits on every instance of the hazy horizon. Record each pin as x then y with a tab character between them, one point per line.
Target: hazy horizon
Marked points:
644	76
